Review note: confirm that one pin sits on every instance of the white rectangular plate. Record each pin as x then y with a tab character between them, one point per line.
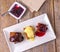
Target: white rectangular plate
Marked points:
25	45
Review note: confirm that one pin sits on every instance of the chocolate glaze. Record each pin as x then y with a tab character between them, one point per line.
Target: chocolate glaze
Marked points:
16	37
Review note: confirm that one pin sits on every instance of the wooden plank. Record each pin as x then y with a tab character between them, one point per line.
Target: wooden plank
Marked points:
57	23
5	22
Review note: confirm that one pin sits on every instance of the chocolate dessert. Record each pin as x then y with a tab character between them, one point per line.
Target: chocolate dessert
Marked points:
16	37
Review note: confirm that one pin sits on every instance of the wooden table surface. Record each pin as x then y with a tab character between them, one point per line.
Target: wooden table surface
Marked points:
51	7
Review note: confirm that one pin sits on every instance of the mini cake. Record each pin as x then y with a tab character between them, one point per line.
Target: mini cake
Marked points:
29	32
41	29
16	37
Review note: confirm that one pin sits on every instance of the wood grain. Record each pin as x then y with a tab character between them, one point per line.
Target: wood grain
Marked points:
57	23
51	7
5	22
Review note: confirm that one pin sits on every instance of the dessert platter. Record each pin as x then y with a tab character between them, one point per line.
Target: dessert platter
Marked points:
28	34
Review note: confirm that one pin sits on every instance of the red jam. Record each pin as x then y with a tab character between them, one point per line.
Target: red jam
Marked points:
41	29
17	10
40	34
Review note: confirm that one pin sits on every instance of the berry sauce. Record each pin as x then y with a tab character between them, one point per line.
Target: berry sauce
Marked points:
17	10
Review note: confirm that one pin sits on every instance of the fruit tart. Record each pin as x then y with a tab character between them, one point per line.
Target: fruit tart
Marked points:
16	37
29	32
41	29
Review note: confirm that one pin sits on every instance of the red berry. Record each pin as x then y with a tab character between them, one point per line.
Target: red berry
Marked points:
41	29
